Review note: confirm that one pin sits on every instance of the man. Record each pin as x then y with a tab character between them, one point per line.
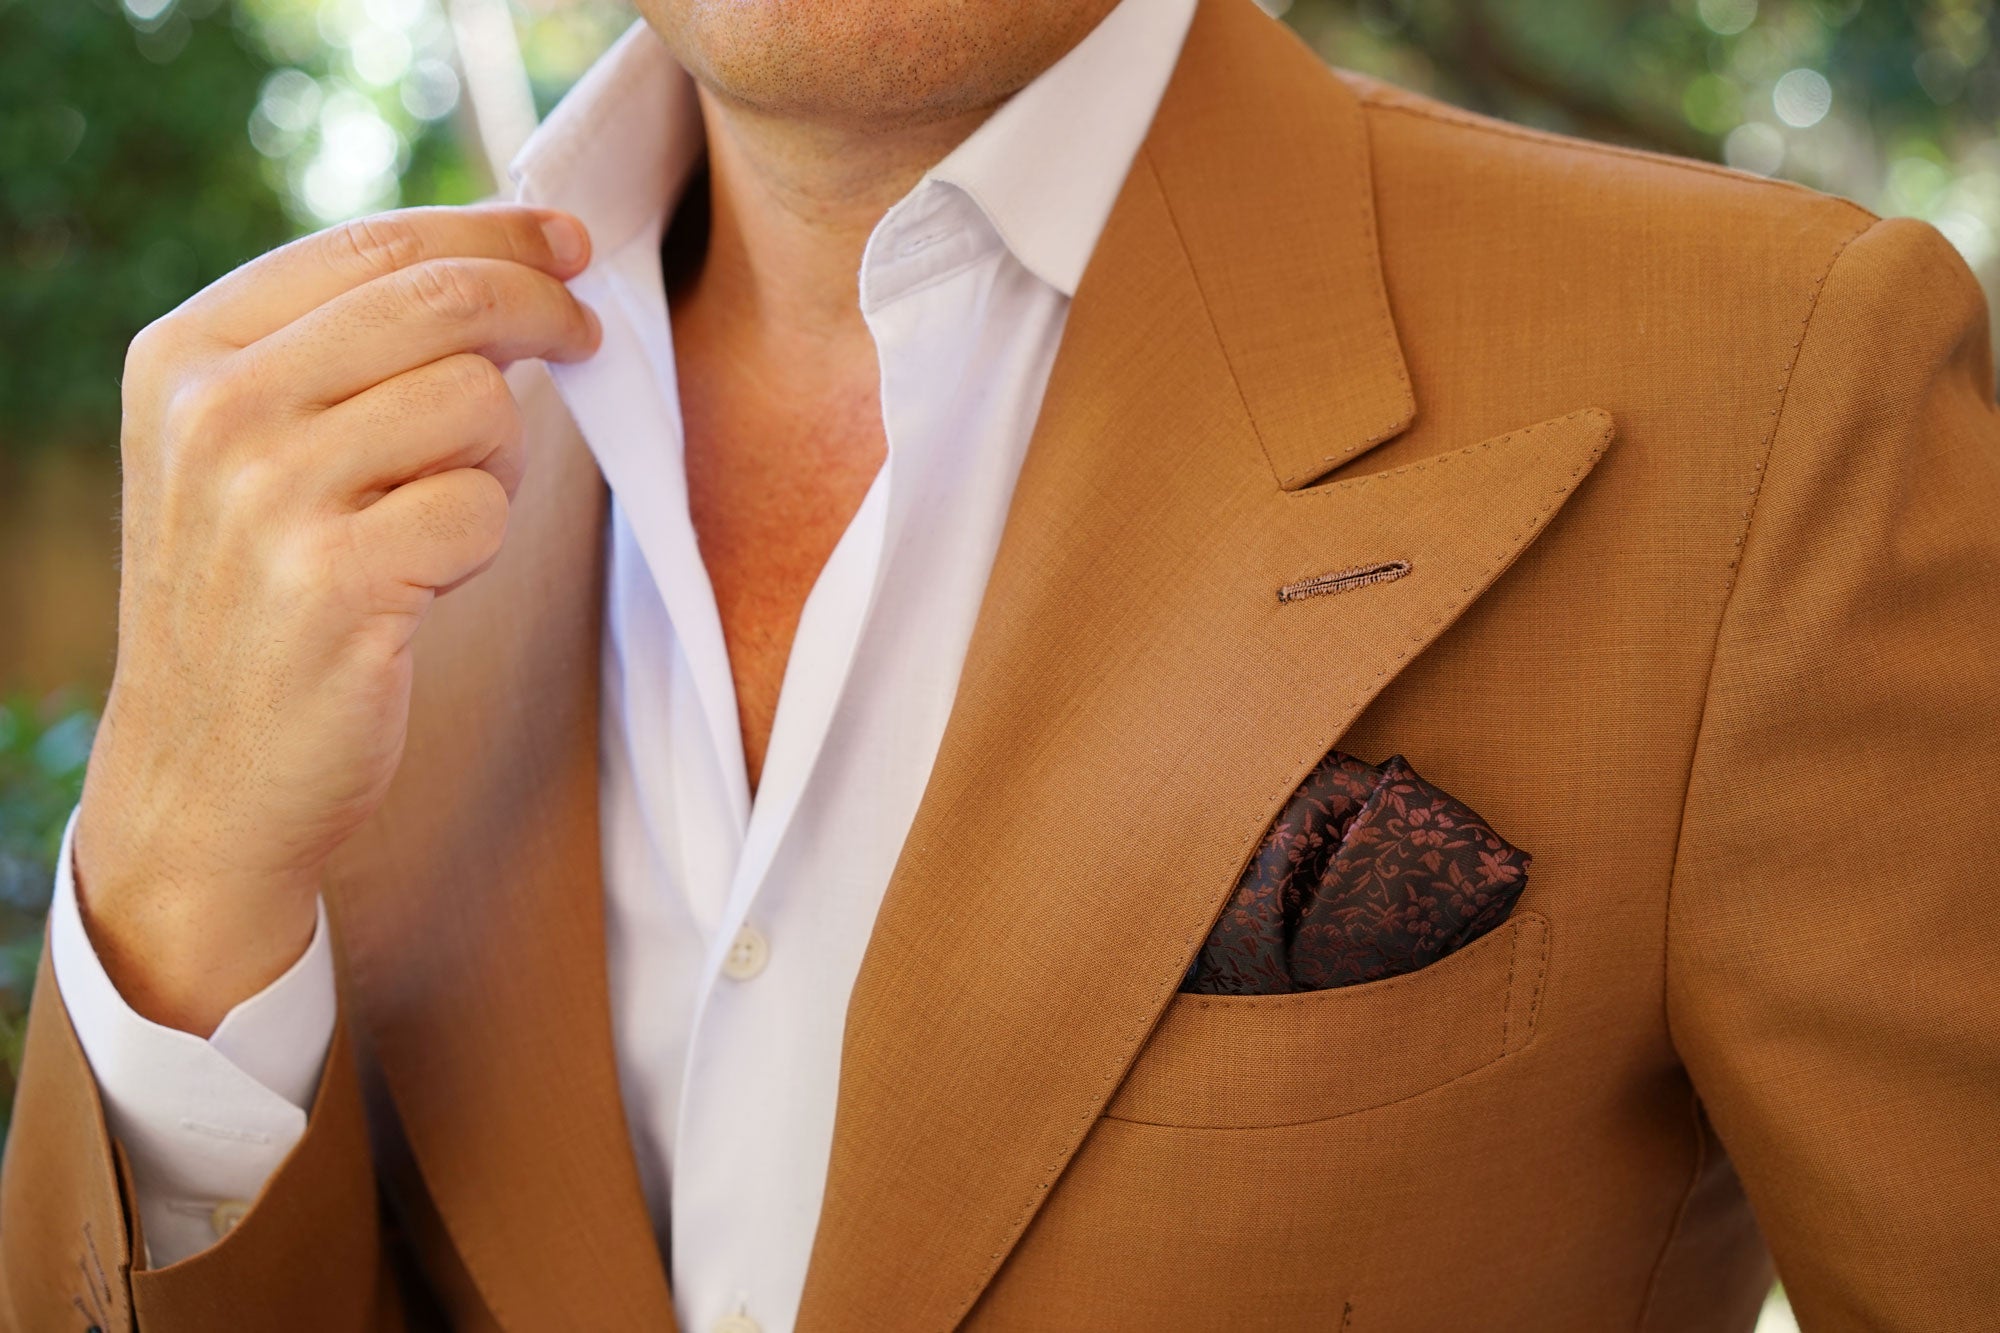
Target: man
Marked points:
1042	435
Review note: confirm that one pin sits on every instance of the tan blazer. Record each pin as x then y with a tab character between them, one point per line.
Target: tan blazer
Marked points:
1699	480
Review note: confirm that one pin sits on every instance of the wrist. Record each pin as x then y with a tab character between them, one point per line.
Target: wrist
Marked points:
184	950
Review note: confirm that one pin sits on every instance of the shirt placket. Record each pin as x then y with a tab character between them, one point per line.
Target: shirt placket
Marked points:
769	975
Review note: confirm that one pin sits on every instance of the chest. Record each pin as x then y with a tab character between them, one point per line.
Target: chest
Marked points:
774	479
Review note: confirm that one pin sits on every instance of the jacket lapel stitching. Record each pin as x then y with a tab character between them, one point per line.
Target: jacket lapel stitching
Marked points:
1437	460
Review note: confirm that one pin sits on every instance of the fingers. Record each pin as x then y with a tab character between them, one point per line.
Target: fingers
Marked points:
270	292
454	413
501	310
435	532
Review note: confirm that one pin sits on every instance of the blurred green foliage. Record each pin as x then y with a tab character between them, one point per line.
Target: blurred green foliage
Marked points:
126	182
1893	103
42	751
132	174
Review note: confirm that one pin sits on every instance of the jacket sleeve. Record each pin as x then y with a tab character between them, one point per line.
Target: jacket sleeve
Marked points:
1833	951
200	1121
308	1256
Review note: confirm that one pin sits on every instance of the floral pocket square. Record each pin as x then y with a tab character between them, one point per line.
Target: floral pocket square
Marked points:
1367	873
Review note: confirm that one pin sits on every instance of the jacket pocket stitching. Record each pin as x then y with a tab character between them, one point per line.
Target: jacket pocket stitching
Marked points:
1532	977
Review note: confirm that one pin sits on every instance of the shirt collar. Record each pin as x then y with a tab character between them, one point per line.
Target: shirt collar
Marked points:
619	147
1045	168
1048	165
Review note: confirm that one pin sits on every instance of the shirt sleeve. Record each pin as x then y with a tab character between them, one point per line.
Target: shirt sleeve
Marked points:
203	1123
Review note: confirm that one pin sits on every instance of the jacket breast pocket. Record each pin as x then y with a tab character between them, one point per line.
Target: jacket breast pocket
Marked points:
1252	1061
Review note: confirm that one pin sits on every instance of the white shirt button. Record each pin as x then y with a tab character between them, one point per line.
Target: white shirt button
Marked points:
226	1215
748	953
736	1323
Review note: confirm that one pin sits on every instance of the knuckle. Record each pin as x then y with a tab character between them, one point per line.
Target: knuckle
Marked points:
508	464
379	244
204	412
303	566
152	347
476	380
473	512
251	486
451	290
486	504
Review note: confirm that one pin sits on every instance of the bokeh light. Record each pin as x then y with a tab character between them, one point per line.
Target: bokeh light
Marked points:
364	79
1894	105
1802	97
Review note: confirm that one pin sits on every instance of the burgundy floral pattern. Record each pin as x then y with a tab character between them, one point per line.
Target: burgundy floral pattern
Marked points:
1367	873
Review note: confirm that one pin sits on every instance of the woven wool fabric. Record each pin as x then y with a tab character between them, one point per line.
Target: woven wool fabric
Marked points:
1697	478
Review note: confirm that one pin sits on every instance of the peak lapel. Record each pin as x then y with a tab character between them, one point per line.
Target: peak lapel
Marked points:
1137	702
470	917
1264	160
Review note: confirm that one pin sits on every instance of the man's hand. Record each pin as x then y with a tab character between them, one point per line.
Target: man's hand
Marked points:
314	447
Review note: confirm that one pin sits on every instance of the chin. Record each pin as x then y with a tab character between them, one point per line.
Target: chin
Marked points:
869	62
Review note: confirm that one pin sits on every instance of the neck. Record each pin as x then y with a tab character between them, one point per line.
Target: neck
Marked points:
791	209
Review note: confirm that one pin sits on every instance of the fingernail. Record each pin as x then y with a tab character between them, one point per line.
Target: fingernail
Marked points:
596	324
567	241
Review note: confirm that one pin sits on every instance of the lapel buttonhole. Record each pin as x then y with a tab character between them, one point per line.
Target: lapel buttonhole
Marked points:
1343	580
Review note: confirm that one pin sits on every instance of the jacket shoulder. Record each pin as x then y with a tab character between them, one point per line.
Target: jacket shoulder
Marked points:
1419	141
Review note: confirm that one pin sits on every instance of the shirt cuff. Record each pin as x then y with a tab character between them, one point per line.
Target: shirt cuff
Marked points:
203	1123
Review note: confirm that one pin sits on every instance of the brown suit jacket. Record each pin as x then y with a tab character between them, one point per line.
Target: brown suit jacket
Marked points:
1699	480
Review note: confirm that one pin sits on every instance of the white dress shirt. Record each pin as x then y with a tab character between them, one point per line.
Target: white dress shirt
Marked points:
735	927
